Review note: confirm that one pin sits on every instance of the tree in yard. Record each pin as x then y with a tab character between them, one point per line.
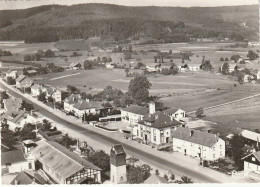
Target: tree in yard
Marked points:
106	105
252	55
88	64
27	132
199	112
237	144
186	179
206	65
221	59
155	59
138	174
46	125
240	77
226	59
235	58
10	80
132	160
157	172
72	89
3	95
166	177
27	106
127	55
42	97
67	141
50	100
138	88
172	177
100	159
126	71
225	68
49	53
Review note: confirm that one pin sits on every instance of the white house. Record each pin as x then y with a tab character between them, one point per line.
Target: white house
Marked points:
175	113
23	82
11	73
76	65
64	166
196	143
253	44
133	113
83	107
252	138
36	89
258	75
70	101
194	67
14	161
155	129
57	95
252	166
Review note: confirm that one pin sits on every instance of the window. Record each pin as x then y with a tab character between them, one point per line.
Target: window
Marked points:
253	158
220	146
154	138
30	165
213	155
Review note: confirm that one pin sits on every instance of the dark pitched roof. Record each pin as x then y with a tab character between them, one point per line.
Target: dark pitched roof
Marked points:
155	179
12	157
159	120
64	162
119	149
29	177
198	137
72	99
20	78
82	105
27	82
136	109
50	91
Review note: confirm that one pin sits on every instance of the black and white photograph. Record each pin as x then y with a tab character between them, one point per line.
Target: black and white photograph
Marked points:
116	92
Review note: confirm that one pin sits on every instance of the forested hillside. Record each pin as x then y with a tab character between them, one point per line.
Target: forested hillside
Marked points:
171	24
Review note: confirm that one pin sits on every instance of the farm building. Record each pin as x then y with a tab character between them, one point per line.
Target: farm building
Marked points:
64	166
200	144
23	82
12	104
252	138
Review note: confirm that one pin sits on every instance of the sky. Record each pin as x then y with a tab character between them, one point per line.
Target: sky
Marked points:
21	4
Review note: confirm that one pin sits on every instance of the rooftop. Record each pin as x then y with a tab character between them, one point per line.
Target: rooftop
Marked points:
171	110
251	135
119	149
64	162
137	109
82	105
159	120
72	99
155	179
12	157
195	136
12	104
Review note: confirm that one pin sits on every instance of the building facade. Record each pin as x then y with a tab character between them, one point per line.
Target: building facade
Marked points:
199	144
133	113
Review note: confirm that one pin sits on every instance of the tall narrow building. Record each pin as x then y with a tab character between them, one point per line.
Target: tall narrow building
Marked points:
118	165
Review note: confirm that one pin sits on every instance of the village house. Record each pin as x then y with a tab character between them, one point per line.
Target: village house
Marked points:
199	144
194	67
175	113
248	78
17	119
183	68
133	113
31	72
23	82
258	75
11	73
48	91
253	44
84	107
64	166
75	66
58	95
12	104
36	89
155	128
14	161
70	101
252	166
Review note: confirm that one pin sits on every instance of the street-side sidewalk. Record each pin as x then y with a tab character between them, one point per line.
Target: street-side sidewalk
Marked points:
176	158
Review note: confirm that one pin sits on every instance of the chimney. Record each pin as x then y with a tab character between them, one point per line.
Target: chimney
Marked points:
191	132
151	108
24	109
208	130
15	182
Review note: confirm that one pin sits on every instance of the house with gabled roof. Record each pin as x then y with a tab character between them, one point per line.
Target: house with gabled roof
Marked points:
84	107
199	144
175	113
70	101
23	82
36	89
133	113
64	166
58	95
76	65
252	165
14	161
155	128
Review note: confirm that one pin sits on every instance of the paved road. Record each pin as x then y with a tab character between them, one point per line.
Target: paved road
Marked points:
155	160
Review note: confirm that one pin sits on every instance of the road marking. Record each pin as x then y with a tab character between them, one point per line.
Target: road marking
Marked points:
64	76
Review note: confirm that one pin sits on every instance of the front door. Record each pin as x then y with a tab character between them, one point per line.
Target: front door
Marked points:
167	139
